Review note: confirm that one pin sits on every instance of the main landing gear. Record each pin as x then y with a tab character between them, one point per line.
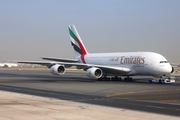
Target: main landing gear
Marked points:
109	78
115	78
128	79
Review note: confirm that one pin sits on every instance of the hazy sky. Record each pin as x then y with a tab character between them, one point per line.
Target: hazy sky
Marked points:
30	29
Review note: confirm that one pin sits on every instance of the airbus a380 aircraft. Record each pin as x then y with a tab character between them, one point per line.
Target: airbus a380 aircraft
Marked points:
5	65
100	65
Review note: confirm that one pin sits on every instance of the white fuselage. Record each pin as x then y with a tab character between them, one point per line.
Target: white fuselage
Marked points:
140	63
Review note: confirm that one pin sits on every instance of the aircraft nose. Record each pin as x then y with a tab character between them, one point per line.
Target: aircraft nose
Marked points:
172	70
169	69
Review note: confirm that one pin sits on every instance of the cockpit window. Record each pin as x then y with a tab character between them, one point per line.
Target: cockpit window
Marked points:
163	61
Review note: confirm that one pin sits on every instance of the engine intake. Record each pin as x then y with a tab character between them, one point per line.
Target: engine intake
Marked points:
94	72
57	69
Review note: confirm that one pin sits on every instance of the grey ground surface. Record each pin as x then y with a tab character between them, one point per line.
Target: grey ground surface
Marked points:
163	99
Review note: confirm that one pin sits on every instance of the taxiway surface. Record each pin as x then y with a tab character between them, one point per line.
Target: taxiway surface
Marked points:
76	86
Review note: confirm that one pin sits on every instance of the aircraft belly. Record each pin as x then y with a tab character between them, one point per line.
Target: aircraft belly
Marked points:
141	69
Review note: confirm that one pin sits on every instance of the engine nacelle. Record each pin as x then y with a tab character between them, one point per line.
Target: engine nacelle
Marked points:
94	72
57	69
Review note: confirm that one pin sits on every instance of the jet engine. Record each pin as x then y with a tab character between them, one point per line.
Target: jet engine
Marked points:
94	72
57	69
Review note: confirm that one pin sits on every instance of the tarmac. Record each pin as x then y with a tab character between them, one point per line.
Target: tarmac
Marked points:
15	106
20	106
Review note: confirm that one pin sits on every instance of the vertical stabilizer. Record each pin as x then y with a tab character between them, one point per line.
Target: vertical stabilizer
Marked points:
76	42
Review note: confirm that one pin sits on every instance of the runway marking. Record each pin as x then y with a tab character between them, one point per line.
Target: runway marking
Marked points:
17	88
28	90
146	91
52	93
162	90
155	107
155	97
143	91
152	101
39	92
168	101
118	94
6	87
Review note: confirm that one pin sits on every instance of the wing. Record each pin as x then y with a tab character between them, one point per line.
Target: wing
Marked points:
32	62
60	59
106	69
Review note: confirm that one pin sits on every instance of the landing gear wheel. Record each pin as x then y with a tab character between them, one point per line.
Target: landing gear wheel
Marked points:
160	81
104	78
128	79
116	78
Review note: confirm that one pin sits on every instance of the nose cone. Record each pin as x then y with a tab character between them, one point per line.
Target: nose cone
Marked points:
168	69
172	71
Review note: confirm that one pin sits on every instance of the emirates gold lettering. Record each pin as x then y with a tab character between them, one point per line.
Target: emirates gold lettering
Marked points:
132	60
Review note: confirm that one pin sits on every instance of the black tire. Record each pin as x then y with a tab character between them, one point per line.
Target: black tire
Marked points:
150	81
119	79
160	81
